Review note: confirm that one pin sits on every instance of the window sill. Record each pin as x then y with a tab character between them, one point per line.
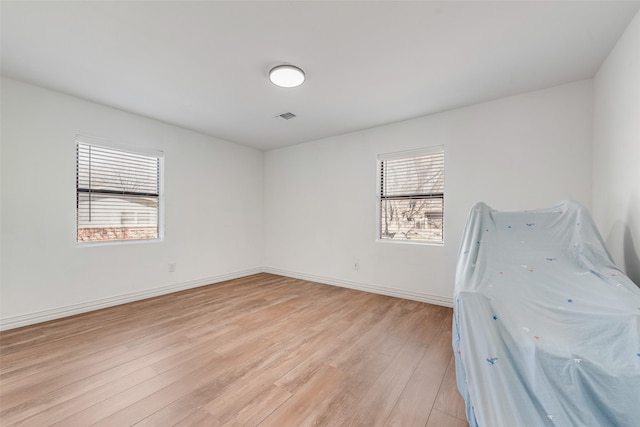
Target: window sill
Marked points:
410	242
116	242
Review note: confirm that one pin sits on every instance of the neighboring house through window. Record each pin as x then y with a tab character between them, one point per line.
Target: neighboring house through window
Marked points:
411	196
117	193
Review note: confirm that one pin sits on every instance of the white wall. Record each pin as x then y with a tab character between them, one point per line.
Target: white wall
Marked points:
526	151
213	209
616	154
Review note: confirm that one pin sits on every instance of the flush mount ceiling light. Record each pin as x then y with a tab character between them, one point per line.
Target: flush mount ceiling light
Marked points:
286	76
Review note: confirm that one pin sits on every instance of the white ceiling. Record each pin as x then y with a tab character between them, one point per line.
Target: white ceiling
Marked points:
203	65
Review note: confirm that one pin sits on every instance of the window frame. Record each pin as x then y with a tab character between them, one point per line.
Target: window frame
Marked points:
110	145
380	197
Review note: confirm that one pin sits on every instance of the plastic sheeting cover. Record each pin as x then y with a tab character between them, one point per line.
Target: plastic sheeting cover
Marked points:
546	329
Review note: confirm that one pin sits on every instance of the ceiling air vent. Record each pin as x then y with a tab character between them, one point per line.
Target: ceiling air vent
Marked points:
286	116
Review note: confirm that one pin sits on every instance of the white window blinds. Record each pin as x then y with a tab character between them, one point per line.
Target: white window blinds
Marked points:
411	196
117	194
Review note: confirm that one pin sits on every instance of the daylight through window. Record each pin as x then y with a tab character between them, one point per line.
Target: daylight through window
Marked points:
411	196
117	194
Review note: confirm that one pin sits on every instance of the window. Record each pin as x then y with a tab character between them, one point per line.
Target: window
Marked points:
411	196
117	194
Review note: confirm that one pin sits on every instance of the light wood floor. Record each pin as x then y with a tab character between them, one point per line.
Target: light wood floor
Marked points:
262	350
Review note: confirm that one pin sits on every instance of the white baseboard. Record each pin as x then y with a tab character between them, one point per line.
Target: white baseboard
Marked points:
393	292
70	310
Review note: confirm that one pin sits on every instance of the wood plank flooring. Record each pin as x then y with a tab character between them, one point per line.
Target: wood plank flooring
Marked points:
263	350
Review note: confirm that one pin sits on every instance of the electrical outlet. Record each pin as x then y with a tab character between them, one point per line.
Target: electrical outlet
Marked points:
172	267
356	264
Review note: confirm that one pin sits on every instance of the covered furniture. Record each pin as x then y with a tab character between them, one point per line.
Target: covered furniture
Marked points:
546	329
